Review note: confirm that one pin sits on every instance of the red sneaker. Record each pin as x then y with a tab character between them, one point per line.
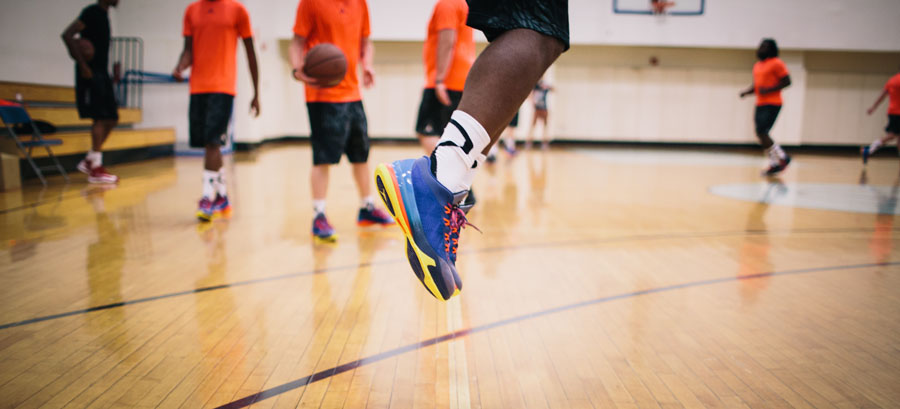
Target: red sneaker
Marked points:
100	175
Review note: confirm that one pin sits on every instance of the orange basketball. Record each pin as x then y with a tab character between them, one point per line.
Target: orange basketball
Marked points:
325	63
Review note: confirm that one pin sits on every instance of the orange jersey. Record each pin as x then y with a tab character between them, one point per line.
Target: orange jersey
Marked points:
893	89
450	15
767	73
344	23
214	27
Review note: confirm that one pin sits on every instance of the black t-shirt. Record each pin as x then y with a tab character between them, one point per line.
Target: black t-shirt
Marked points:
96	30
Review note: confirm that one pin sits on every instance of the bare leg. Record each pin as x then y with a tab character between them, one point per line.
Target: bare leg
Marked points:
212	158
503	76
361	175
428	142
100	130
765	140
530	137
319	181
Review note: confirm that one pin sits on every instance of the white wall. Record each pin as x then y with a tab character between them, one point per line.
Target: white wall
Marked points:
605	88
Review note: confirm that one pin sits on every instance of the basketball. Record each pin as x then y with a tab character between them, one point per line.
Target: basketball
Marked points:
326	63
86	48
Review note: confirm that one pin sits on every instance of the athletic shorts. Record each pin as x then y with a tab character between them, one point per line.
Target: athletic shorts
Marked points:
893	125
495	17
764	118
433	115
95	97
338	129
209	115
515	121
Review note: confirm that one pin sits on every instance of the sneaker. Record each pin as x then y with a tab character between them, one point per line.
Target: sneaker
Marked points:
221	205
100	175
322	230
430	218
865	154
84	166
205	210
777	168
373	216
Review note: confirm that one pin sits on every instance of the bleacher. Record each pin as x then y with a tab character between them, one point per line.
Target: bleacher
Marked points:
56	105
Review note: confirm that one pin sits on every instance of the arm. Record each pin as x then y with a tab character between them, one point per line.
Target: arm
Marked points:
297	54
446	42
783	83
884	95
748	91
366	55
68	37
254	73
185	59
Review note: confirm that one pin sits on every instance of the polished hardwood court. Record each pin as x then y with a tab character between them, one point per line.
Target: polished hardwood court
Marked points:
605	277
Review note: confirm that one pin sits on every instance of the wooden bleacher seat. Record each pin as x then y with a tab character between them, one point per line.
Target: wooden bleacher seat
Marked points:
56	105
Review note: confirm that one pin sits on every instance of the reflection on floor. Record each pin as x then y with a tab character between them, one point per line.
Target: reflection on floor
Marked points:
604	278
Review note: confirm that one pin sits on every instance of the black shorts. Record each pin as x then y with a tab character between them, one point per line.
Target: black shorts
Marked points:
893	125
338	129
515	121
95	97
764	118
433	115
495	17
209	116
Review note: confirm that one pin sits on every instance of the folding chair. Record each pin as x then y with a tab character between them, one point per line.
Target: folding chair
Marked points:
14	115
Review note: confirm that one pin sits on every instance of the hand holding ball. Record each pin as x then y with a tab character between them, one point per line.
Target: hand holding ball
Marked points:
325	65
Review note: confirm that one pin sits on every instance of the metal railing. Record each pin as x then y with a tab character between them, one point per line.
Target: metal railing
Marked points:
126	56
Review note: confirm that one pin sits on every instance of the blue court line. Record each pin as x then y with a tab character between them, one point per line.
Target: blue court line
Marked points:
327	373
562	243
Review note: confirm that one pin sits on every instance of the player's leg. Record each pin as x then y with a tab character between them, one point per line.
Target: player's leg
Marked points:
543	116
328	137
209	116
764	119
891	132
357	151
100	104
424	194
428	122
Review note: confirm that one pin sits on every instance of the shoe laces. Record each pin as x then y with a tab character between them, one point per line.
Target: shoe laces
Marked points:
455	220
322	223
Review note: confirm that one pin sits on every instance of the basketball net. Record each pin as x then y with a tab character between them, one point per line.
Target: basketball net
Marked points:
659	7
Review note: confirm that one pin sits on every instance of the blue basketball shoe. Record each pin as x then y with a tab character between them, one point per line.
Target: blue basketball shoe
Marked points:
431	219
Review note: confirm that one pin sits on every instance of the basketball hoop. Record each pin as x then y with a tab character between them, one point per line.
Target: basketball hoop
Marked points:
659	7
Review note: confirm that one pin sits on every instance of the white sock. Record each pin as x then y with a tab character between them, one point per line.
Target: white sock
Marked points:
319	206
95	158
209	183
457	151
221	187
874	146
778	151
367	203
470	175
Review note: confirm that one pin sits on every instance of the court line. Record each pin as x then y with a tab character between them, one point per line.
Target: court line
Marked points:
327	373
561	243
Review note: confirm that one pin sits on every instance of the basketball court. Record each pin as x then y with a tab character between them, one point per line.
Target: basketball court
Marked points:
641	261
675	280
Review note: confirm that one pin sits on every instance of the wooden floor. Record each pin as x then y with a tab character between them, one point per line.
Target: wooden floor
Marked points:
605	278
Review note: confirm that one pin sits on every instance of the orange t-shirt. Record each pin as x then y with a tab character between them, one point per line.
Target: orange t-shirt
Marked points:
344	23
450	15
214	26
767	73
893	89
